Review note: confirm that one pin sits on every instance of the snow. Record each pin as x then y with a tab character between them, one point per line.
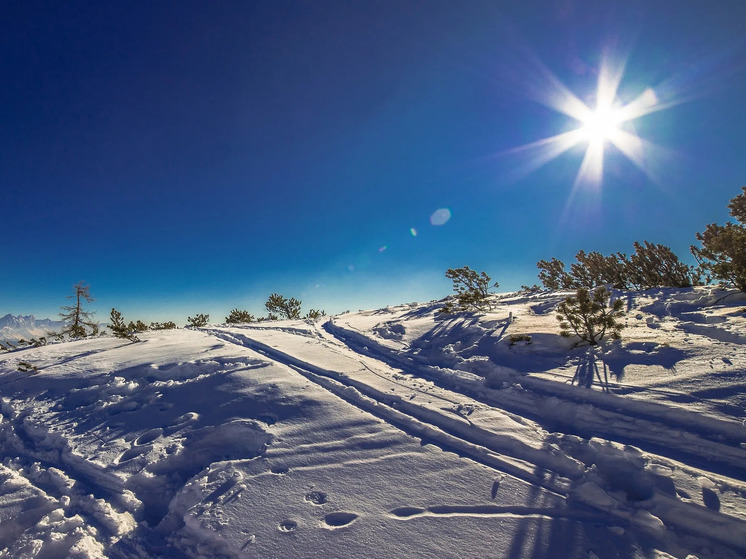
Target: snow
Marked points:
398	432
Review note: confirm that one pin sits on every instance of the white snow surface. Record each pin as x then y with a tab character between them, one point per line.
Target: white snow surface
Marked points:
398	432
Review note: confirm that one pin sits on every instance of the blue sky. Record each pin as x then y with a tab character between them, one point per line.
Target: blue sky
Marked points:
186	157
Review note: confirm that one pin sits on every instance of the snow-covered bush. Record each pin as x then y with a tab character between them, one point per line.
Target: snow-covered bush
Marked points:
589	316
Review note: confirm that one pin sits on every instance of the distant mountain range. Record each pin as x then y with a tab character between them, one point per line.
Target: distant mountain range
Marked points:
13	328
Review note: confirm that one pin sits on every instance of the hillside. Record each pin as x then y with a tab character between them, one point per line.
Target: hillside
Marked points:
398	432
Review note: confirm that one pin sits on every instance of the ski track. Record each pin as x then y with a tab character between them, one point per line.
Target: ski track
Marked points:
649	424
581	453
540	468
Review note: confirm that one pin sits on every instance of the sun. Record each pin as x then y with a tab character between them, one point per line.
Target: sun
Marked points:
601	126
603	123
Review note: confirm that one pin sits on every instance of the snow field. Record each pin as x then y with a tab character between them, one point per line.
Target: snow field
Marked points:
396	432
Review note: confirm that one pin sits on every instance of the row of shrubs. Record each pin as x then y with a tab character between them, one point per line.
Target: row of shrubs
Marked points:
277	307
721	257
590	314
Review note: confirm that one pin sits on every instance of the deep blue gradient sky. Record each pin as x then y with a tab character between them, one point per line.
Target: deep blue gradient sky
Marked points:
186	157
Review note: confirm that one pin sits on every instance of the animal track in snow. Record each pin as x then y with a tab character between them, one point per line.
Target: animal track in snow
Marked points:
339	519
316	497
287	526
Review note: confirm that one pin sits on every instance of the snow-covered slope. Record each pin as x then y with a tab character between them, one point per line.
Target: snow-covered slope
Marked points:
390	433
14	328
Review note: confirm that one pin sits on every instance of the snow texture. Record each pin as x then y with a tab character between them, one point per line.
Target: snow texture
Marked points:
399	432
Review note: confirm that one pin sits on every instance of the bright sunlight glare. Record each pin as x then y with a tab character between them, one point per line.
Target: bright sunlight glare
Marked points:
608	123
601	125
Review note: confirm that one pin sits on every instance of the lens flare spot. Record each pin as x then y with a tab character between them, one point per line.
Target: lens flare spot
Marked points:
413	231
440	216
350	268
383	248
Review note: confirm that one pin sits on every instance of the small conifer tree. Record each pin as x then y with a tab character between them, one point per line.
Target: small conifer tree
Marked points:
119	328
722	255
239	317
589	316
170	325
657	266
472	289
138	326
279	305
552	274
199	321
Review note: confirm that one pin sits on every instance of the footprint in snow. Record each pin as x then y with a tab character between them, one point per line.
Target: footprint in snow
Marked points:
710	499
134	452
709	495
149	436
339	519
287	526
406	512
316	497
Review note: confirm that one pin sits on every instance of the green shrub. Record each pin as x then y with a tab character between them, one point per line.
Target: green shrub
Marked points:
472	289
138	326
239	317
722	255
657	266
552	274
650	266
589	316
163	325
279	305
119	328
199	321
